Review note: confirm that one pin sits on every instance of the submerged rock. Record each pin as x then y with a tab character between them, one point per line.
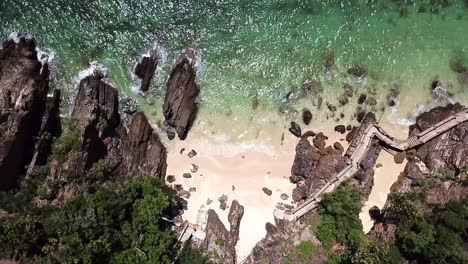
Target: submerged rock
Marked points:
357	70
180	104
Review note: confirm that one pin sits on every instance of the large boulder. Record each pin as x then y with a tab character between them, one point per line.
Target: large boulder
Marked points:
145	69
180	105
24	85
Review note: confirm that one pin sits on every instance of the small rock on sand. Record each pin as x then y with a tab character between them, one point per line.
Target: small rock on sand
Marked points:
284	196
267	191
209	201
182	151
378	165
185	194
295	129
306	116
192	189
399	157
194	168
192	153
178	187
187	175
223	200
170	178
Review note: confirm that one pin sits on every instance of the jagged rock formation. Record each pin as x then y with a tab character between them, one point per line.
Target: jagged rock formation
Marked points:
103	140
313	168
51	128
145	69
436	168
220	241
180	104
24	85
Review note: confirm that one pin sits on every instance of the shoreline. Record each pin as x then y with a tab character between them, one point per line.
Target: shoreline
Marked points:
241	170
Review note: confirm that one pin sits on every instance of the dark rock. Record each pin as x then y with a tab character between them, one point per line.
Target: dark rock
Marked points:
170	133
24	83
192	153
267	191
350	135
145	69
143	153
222	202
399	157
170	178
187	175
378	165
319	141
284	196
375	214
299	193
360	116
306	116
349	128
303	161
348	90
357	70
180	105
194	168
178	187
338	147
362	98
185	194
343	100
51	128
308	134
292	95
295	129
218	240
192	189
312	87
209	201
340	129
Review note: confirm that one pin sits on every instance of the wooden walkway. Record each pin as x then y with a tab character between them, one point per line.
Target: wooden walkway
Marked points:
373	131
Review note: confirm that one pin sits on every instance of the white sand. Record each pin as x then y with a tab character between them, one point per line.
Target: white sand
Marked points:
384	178
248	172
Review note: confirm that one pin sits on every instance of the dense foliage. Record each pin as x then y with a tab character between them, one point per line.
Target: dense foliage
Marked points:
425	233
119	223
435	236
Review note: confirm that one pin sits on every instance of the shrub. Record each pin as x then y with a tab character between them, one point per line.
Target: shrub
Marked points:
305	251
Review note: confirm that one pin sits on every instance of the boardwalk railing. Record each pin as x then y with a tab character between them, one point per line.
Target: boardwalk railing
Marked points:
373	131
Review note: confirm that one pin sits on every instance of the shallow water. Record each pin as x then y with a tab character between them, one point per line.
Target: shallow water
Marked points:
255	49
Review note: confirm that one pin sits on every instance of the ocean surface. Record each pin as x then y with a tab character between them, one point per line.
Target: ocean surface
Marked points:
253	53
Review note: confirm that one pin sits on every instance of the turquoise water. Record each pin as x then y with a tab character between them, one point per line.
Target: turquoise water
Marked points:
251	48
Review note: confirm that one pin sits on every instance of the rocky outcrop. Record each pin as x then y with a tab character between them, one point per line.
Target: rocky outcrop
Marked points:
23	96
51	128
437	168
180	105
313	168
143	152
146	68
220	242
102	144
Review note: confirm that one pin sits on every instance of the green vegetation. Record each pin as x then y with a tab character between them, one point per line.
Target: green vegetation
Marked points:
119	223
340	224
70	140
305	250
219	242
190	255
339	214
434	237
447	174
